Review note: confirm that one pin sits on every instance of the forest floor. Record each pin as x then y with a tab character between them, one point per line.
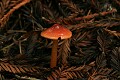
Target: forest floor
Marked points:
91	53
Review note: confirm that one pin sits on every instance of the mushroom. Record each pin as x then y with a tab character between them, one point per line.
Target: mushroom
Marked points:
55	32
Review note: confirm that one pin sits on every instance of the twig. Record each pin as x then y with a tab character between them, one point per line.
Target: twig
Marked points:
100	24
115	33
96	14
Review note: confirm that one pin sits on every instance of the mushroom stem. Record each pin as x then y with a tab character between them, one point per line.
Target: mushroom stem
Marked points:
54	54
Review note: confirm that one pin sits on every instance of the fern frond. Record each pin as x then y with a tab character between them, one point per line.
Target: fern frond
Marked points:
103	40
71	72
101	60
64	52
115	33
70	5
101	74
115	59
67	5
17	68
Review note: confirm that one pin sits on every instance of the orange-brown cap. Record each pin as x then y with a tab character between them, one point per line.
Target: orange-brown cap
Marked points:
56	31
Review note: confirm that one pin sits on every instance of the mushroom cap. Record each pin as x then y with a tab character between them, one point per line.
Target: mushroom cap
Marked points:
56	31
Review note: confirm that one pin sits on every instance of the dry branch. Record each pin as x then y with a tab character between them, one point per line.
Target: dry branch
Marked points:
6	16
96	15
